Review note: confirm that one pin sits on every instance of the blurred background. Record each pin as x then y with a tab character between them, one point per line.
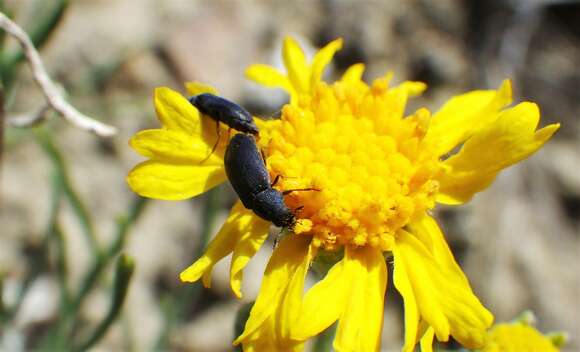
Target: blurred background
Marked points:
66	212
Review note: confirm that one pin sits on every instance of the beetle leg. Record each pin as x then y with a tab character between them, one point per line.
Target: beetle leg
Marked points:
276	115
218	132
263	156
298	210
275	180
277	238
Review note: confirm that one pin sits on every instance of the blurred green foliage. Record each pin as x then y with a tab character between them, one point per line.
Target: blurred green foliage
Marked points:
68	331
48	14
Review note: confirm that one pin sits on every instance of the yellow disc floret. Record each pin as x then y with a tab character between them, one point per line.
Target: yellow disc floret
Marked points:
370	166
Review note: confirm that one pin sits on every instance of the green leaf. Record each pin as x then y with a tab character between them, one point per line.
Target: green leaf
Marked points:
77	204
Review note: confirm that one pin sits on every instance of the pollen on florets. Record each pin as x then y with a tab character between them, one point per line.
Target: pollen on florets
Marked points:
371	165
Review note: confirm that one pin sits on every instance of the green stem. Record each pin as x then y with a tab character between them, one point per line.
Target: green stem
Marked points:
61	267
37	262
241	318
123	226
209	215
78	207
324	340
187	296
2	307
123	274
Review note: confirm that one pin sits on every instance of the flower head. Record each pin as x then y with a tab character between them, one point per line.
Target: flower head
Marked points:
520	335
514	337
379	172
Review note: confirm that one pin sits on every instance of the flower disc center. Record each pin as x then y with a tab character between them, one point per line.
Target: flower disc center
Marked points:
371	166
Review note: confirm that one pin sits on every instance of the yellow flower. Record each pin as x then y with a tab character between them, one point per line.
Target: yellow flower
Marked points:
519	335
176	169
379	173
302	77
516	337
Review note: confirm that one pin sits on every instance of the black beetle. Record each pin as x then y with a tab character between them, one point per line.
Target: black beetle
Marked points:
249	177
223	110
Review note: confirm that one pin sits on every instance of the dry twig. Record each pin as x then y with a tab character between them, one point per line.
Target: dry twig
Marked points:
51	92
31	118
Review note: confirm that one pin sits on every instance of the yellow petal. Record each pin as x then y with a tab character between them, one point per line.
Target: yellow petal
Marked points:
510	139
354	73
322	59
401	279
427	341
291	302
323	303
261	343
428	232
175	146
359	327
463	115
268	76
155	179
413	88
443	297
253	232
175	112
196	88
278	303
239	221
296	66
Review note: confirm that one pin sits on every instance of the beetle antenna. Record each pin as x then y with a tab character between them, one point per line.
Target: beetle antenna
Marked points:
299	190
278	177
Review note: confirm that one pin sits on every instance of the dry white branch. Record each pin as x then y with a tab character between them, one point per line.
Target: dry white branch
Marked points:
50	90
29	119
